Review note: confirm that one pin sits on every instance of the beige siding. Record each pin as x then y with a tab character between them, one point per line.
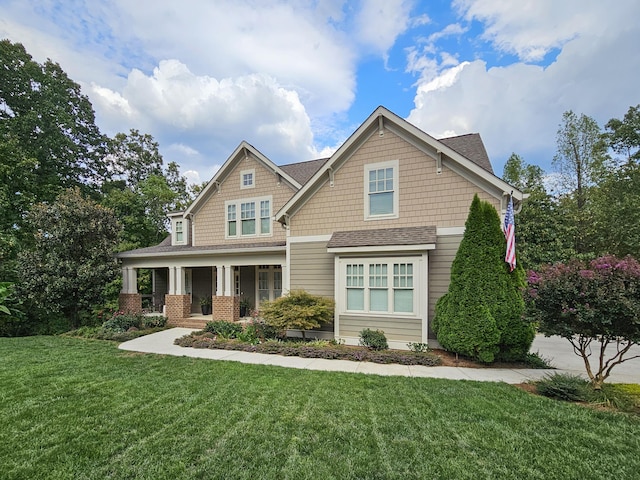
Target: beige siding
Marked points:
398	329
440	261
312	268
425	197
210	220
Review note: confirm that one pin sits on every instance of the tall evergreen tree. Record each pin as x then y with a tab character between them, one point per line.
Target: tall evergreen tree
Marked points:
481	314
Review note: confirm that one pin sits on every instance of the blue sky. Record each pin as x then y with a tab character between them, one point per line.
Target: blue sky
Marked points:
296	78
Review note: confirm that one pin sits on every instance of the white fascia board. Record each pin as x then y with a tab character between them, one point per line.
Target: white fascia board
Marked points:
221	174
369	123
386	249
495	181
309	238
200	253
444	231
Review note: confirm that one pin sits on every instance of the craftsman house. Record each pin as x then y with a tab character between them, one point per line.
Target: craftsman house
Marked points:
375	226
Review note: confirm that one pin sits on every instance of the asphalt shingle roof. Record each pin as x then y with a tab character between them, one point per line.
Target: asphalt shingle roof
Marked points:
470	146
384	237
303	171
166	248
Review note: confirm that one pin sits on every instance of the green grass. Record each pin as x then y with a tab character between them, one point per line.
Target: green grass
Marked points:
74	408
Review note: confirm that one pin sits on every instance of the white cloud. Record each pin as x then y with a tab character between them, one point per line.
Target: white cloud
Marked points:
379	22
531	28
517	108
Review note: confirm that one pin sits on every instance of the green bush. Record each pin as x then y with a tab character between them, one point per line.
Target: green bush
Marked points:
121	322
418	347
564	386
298	310
224	329
373	339
481	314
153	321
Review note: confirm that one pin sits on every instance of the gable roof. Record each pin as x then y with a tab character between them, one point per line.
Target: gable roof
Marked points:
477	167
243	150
303	171
470	146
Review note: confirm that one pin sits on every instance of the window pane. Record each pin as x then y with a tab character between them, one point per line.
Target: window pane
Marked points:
265	225
179	236
403	301
248	227
355	299
372	176
231	212
232	229
379	300
381	203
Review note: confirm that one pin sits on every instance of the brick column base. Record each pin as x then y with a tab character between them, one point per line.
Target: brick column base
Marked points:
130	302
177	307
226	308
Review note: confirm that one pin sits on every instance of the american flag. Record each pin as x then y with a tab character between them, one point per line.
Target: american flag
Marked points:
510	235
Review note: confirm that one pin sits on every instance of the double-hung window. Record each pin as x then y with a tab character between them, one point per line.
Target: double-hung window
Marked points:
384	286
381	190
248	217
179	232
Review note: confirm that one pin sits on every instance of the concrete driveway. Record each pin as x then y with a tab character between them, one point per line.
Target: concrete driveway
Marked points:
560	353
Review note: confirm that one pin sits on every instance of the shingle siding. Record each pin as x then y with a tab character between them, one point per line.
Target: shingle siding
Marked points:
210	220
426	198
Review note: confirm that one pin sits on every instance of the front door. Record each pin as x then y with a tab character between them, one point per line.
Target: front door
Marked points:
269	283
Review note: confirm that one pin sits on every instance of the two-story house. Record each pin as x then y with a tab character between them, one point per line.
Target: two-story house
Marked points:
375	226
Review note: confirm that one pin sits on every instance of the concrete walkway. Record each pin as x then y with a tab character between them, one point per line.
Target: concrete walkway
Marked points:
162	343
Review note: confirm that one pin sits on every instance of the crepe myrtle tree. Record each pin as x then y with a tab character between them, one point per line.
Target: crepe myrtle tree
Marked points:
594	305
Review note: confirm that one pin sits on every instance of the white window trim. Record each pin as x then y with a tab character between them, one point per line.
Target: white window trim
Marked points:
251	171
395	164
418	285
174	227
238	202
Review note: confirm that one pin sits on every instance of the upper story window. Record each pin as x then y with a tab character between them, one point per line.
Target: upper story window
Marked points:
179	232
179	229
254	217
381	190
247	178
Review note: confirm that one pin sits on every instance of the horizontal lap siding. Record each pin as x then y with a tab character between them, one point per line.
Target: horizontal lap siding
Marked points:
403	329
440	261
312	268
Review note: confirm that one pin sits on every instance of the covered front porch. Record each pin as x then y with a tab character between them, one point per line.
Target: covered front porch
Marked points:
193	291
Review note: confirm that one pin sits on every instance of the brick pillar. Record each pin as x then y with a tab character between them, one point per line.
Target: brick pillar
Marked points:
177	307
130	302
226	308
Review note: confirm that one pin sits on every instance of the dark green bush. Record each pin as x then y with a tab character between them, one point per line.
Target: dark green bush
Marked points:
564	386
224	329
481	314
373	339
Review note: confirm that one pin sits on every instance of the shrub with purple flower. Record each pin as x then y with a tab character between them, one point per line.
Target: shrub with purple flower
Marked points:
589	302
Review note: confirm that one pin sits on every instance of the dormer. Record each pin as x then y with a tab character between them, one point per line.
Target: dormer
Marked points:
180	228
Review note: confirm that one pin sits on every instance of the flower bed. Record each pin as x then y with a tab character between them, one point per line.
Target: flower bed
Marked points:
315	349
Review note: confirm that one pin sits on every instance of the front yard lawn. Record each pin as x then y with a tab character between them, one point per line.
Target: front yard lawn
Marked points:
74	408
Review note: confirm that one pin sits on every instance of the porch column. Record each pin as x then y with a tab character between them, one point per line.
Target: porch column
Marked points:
285	278
179	281
219	280
129	280
129	299
172	280
228	281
